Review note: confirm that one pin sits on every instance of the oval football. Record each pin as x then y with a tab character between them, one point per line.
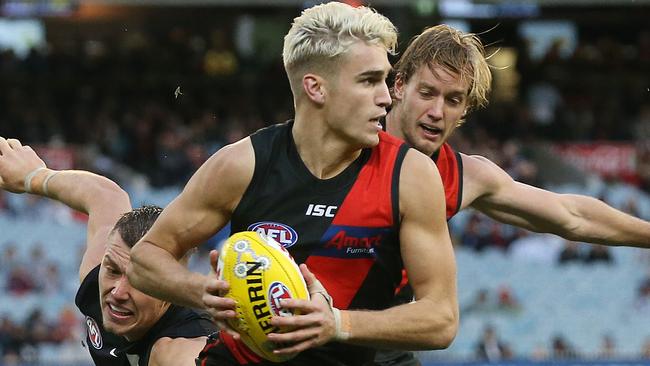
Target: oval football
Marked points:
260	273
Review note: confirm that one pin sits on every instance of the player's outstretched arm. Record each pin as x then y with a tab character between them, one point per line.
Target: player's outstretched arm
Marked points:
203	208
492	191
431	321
99	197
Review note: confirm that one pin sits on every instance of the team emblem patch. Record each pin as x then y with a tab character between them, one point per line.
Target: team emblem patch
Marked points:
94	335
281	233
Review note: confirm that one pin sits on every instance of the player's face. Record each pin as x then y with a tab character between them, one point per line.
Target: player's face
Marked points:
428	107
358	95
125	311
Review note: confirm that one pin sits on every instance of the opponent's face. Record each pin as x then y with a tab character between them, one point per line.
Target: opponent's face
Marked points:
125	311
357	95
428	108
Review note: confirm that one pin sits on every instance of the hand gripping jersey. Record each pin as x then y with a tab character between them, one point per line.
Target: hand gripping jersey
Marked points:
344	228
108	349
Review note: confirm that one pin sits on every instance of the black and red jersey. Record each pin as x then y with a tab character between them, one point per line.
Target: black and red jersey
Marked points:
346	229
450	166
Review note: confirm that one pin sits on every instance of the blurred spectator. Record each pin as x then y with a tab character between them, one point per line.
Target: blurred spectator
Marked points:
20	281
642	301
491	348
561	349
12	337
8	259
599	254
481	303
570	253
607	347
645	349
507	300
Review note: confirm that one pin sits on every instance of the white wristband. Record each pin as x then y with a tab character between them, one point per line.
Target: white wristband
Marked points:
29	177
50	175
340	335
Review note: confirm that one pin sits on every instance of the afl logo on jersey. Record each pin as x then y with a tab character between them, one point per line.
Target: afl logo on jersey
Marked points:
94	335
281	233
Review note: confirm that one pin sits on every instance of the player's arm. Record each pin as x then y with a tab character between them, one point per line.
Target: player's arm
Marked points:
492	191
204	207
429	322
176	351
99	197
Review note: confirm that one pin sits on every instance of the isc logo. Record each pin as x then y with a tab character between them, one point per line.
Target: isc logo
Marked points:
321	210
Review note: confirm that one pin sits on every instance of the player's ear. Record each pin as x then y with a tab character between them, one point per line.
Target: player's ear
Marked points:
313	85
398	87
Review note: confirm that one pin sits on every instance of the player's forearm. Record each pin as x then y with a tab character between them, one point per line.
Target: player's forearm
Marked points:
422	325
596	222
156	272
80	190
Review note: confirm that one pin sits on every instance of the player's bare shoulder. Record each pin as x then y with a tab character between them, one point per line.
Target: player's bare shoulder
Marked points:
226	174
419	177
481	177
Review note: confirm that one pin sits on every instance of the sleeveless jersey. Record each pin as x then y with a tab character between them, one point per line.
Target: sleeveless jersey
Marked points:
344	228
450	166
109	349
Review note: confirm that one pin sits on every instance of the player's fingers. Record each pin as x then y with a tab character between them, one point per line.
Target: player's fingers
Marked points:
222	315
14	143
223	326
294	342
304	306
214	258
216	287
289	339
307	275
4	146
218	303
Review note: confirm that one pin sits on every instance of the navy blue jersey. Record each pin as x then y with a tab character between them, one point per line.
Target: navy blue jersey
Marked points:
108	349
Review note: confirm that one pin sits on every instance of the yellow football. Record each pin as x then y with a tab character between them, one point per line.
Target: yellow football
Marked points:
260	273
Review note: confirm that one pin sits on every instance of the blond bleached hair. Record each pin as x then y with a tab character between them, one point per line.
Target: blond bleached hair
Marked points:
459	52
324	32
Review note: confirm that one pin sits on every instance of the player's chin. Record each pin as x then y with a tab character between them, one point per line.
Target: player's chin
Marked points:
369	140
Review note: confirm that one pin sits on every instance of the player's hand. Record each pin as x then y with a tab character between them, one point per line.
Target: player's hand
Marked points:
313	327
221	308
16	162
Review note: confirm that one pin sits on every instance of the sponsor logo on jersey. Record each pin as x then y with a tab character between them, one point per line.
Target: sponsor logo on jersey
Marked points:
351	241
277	292
320	210
281	233
94	334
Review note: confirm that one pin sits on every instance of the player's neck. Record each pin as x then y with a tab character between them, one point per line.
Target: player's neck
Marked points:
323	153
391	123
